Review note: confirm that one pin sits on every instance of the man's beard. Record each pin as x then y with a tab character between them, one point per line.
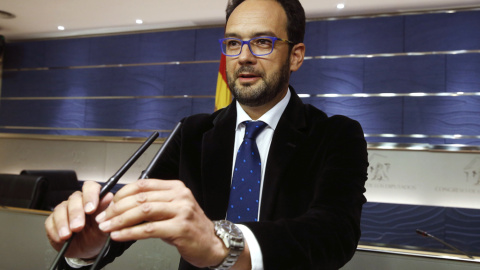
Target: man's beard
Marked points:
268	89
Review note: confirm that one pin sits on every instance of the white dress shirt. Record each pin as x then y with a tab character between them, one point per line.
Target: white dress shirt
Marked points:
263	140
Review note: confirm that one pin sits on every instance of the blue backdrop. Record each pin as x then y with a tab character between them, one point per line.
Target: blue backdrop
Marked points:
128	85
132	84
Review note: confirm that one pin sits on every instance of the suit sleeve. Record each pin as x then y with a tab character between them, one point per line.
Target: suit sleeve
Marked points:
325	234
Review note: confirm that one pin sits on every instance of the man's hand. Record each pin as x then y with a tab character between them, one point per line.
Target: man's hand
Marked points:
77	215
167	210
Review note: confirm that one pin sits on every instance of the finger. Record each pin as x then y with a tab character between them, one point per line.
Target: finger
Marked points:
166	230
143	212
75	210
105	202
145	185
91	194
133	201
52	232
139	192
60	221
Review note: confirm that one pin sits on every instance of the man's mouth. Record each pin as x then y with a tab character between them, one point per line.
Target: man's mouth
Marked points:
247	77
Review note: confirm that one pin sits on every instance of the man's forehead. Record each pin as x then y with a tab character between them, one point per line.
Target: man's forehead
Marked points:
255	18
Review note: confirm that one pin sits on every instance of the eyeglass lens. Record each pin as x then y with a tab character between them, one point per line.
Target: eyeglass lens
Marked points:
258	46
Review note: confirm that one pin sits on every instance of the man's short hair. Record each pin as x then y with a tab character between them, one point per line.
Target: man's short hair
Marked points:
295	17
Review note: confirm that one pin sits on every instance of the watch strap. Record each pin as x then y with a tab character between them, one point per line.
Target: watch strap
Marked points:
236	244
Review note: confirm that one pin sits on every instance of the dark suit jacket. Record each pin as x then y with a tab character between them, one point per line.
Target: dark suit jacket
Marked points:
313	186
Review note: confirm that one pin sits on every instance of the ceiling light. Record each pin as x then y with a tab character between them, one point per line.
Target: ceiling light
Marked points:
61	28
138	21
340	6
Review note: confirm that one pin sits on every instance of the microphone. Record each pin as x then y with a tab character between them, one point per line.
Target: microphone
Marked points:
145	175
425	234
107	187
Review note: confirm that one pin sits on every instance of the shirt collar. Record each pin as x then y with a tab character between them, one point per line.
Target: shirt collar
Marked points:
271	117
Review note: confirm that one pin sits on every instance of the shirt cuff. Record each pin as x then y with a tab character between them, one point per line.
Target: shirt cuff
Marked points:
256	255
79	263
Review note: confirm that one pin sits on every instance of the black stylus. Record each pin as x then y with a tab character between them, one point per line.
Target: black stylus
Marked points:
145	175
107	187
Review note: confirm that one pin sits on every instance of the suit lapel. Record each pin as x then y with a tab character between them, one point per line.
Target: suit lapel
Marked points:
287	136
217	163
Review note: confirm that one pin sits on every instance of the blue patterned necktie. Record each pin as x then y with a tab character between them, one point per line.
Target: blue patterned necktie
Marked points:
245	190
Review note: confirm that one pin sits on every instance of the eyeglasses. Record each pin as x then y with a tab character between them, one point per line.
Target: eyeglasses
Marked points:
259	46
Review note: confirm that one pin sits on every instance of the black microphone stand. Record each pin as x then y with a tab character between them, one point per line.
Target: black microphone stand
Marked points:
425	234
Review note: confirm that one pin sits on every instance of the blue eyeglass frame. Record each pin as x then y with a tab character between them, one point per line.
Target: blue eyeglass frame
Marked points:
249	47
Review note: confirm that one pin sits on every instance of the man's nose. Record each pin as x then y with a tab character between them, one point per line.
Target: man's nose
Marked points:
246	56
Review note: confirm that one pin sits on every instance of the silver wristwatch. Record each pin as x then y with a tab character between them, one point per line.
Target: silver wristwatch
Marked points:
232	237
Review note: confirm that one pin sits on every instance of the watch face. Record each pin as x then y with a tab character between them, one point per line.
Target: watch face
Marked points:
229	228
230	234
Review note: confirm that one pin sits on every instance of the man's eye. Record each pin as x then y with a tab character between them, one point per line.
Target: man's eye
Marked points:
233	43
263	42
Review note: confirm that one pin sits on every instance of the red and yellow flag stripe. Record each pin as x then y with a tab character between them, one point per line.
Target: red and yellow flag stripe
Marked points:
223	97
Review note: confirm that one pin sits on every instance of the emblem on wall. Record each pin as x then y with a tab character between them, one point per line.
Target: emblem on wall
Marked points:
378	168
472	171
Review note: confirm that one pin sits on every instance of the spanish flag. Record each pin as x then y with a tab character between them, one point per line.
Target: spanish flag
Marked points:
223	97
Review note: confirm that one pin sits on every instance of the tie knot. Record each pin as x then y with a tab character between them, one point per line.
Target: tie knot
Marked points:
252	129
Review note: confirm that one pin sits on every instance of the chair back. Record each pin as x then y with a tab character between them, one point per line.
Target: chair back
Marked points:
62	183
25	191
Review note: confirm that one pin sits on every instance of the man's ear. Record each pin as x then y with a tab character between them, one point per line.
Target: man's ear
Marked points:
296	56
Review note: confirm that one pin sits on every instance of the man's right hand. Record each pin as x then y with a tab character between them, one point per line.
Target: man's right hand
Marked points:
77	215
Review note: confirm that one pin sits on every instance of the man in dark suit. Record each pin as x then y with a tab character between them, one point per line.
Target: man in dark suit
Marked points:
312	177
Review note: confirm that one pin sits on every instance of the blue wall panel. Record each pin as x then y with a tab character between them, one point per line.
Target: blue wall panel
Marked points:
315	38
136	114
442	32
191	79
376	115
405	74
121	49
463	73
130	81
442	115
461	228
167	46
162	113
127	81
203	105
322	76
43	113
111	114
365	36
207	46
67	52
